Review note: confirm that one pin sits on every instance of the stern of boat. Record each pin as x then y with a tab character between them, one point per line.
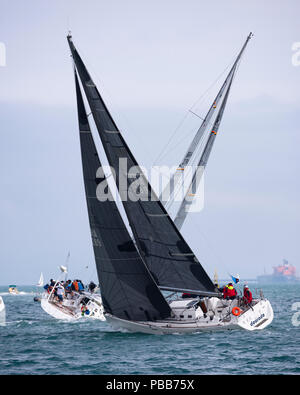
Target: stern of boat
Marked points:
256	317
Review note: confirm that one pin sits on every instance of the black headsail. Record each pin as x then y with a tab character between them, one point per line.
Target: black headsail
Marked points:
171	261
128	291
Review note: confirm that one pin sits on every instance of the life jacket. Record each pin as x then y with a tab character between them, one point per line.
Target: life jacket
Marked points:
75	283
247	295
229	291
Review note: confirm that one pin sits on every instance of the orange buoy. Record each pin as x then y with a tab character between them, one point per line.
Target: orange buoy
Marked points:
236	311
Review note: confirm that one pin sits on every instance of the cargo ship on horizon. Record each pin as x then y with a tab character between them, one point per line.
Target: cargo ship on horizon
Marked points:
284	273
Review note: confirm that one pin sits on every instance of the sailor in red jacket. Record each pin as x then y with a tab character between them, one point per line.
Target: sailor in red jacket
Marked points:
247	297
229	292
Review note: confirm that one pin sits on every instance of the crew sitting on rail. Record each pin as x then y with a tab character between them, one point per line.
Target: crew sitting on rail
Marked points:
74	286
229	292
80	286
68	285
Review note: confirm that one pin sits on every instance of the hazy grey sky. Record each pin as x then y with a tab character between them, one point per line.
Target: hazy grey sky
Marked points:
151	61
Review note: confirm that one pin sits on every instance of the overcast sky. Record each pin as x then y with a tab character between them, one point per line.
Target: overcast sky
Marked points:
151	60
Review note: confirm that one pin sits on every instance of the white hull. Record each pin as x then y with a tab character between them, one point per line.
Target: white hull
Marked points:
164	327
71	309
2	312
219	316
257	318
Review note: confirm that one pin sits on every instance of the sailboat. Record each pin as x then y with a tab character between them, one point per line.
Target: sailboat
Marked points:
2	312
135	272
41	281
75	306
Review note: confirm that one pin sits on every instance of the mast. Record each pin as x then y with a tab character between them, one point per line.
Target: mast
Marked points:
128	290
170	260
199	135
188	199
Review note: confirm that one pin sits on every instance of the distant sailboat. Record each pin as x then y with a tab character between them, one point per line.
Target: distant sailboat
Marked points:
41	281
134	272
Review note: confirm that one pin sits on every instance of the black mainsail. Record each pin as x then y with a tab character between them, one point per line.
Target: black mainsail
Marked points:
128	291
170	260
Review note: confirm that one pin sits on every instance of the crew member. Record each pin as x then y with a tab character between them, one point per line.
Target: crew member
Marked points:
247	297
74	286
60	292
92	286
229	292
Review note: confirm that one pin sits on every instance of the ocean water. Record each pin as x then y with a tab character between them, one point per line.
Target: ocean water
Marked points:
32	342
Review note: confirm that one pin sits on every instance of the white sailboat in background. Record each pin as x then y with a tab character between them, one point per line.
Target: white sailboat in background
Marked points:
2	312
41	281
133	271
74	306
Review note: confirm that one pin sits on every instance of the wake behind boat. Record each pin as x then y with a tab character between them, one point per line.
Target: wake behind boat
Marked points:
133	272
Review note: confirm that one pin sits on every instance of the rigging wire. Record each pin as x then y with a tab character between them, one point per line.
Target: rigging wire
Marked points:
162	153
188	169
210	248
198	151
193	161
